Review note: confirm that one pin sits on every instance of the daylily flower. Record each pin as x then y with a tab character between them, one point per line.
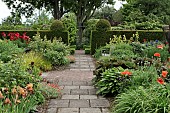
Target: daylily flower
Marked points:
30	85
160	46
18	101
7	101
1	95
14	90
157	55
164	74
126	73
160	81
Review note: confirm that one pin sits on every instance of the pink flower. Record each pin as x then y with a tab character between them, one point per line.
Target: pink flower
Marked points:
3	34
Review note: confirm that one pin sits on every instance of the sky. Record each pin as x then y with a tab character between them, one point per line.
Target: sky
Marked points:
5	12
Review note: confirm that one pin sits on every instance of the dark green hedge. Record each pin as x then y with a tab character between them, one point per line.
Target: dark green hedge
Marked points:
99	39
50	34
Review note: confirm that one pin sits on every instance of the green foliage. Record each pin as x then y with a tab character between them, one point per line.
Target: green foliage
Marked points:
99	39
8	50
144	100
53	51
103	25
38	59
69	21
112	82
17	75
87	50
90	25
57	25
151	50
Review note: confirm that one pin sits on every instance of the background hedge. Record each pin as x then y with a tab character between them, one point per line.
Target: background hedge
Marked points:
99	39
50	34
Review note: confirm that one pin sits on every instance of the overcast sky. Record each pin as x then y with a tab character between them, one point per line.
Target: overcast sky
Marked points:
5	12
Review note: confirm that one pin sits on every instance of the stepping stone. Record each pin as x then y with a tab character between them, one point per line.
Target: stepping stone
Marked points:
90	110
68	110
79	104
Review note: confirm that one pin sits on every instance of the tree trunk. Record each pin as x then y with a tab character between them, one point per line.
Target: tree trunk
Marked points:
56	9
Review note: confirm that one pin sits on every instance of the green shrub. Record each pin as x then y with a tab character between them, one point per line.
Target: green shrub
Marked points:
72	51
69	21
87	50
103	25
8	50
112	81
53	51
57	25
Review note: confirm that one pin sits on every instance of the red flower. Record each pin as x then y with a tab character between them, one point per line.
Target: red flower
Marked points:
160	46
164	74
157	55
126	73
160	81
3	34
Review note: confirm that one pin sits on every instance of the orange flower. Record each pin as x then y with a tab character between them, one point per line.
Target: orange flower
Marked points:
126	73
7	101
14	91
164	74
160	81
160	46
1	95
157	55
21	91
30	85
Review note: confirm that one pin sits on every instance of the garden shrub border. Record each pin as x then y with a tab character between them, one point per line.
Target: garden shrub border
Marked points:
98	39
49	34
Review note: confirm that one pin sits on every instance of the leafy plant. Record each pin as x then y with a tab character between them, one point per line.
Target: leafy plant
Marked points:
57	25
144	100
8	50
36	58
113	81
103	25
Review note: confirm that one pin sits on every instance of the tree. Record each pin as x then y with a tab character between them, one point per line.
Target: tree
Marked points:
83	9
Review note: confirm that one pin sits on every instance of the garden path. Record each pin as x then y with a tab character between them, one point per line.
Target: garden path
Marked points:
78	93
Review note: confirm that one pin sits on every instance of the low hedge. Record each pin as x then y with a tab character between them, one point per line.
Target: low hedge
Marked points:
99	39
50	34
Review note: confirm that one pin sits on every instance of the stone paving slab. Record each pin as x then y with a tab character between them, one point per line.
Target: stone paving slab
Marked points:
90	110
57	103
70	97
88	96
68	110
52	110
99	103
87	87
105	110
65	83
79	104
92	91
66	91
71	87
79	83
79	92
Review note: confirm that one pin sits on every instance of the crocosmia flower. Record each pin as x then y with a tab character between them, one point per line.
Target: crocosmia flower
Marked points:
157	55
126	73
164	74
160	81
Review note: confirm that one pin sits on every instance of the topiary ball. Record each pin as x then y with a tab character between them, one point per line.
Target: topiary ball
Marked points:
57	25
103	25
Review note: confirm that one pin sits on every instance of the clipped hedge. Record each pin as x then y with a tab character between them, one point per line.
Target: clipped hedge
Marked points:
99	39
50	34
